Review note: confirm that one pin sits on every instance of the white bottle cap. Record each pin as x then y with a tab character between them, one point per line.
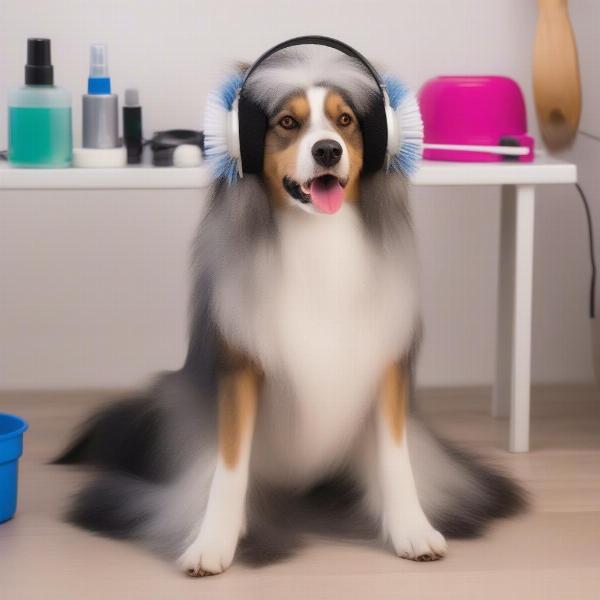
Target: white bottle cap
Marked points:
132	97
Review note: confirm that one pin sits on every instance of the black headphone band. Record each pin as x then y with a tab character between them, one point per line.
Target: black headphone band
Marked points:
316	40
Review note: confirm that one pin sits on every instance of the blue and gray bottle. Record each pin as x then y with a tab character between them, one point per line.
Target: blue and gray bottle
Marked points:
100	108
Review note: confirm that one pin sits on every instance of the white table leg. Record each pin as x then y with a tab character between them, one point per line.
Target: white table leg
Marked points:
515	283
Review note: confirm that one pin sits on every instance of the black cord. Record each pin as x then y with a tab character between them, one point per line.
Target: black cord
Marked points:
3	154
588	215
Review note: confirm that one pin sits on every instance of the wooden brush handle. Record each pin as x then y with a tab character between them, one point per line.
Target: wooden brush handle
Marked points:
556	83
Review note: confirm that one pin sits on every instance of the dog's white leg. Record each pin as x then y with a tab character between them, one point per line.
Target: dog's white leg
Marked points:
403	520
224	521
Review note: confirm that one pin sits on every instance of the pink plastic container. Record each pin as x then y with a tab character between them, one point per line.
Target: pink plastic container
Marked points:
475	111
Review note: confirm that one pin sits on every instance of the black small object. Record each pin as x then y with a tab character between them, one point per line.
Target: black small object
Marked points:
132	126
132	133
163	144
39	70
511	143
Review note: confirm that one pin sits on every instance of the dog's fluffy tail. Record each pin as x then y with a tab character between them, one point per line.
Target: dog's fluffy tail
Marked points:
154	454
151	435
120	436
459	493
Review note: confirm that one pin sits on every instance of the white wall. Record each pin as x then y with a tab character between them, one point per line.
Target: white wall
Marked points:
586	152
93	286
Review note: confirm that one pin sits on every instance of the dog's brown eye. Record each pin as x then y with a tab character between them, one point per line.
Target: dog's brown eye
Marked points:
288	122
344	120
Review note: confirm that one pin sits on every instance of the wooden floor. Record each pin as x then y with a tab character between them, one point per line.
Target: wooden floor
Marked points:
551	552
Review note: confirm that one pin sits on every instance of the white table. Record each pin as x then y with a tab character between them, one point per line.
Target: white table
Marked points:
517	180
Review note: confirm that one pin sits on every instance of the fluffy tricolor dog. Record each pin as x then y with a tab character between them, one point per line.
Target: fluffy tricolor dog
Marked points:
291	410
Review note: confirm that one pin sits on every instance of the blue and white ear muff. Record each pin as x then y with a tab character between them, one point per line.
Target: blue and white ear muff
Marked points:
234	130
235	126
404	127
221	130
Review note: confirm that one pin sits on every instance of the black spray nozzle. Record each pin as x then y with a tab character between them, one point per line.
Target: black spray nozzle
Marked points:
38	70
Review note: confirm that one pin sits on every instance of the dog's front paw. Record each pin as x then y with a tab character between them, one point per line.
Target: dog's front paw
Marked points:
210	553
418	541
203	558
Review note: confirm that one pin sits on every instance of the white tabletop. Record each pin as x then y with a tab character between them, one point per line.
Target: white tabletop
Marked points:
542	171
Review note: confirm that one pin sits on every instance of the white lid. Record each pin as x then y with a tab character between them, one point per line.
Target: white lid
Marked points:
132	97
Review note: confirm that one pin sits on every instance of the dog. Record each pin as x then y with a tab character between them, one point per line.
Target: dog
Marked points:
292	405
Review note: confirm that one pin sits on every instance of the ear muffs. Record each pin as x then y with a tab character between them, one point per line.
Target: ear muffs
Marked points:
221	130
253	128
404	128
235	126
234	131
373	126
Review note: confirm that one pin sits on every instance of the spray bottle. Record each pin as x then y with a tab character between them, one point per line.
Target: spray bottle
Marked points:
39	114
100	106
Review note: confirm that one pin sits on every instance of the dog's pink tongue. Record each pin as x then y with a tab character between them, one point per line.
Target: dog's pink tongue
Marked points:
327	195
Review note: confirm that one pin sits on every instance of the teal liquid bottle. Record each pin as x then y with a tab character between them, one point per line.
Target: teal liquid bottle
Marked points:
39	115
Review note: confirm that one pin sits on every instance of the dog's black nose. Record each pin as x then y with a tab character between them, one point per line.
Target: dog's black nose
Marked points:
327	152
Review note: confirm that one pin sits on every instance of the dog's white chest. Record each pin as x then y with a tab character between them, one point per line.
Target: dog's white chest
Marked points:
325	315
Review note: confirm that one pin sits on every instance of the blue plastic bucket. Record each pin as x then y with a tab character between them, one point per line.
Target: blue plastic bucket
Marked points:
11	448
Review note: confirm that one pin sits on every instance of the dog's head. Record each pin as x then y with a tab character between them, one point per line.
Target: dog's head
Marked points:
313	152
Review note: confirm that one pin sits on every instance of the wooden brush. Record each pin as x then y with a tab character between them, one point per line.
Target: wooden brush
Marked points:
556	82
